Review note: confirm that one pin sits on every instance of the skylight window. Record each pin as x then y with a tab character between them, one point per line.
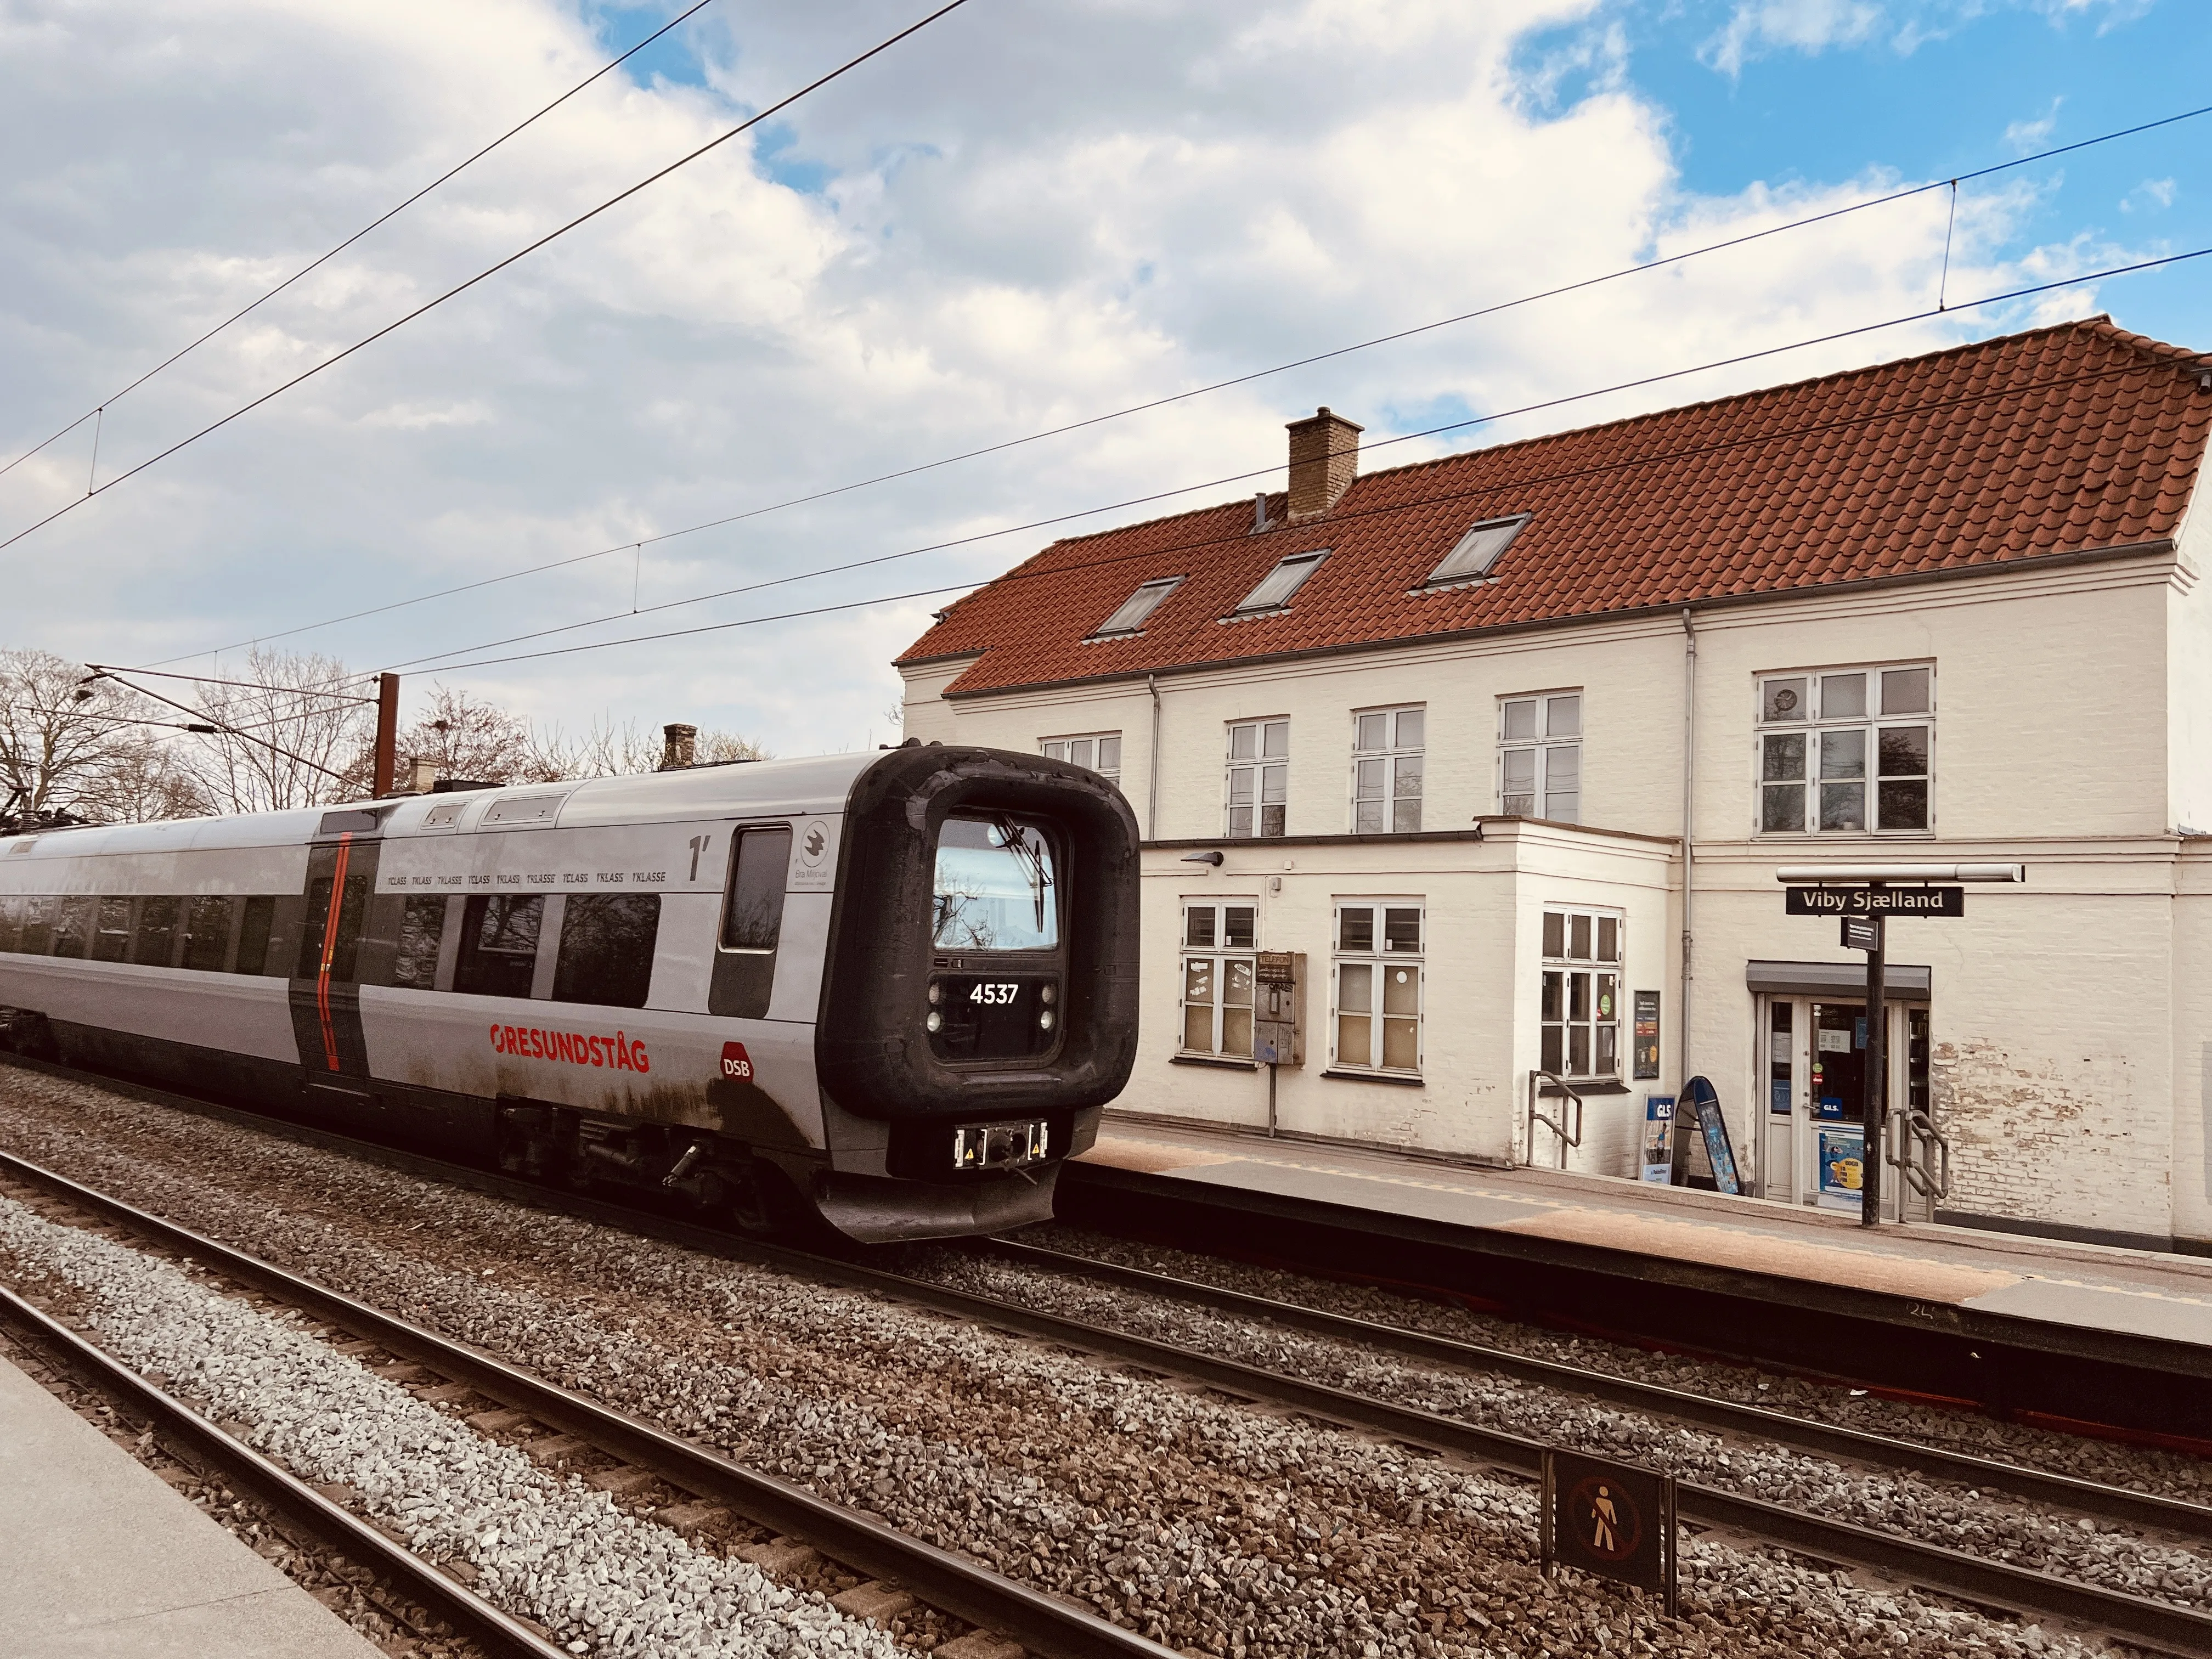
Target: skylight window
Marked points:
1137	608
1477	551
1276	588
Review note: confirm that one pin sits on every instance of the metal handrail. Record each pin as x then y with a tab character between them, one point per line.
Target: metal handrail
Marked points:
1537	1078
1916	1127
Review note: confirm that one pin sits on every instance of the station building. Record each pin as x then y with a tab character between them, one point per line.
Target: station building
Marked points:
1506	750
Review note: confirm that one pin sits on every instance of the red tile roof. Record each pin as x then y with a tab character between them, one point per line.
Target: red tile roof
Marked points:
2079	436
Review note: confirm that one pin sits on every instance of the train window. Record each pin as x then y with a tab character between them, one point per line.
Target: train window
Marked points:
73	926
499	944
606	950
36	915
752	922
995	886
207	933
753	918
11	921
346	945
253	929
111	935
422	931
155	944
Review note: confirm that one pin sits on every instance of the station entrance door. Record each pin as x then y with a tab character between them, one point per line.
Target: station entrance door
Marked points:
1812	1060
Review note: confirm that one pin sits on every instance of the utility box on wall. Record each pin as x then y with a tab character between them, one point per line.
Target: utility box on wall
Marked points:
1279	1012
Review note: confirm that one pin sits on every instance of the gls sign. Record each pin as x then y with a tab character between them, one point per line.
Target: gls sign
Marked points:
1875	901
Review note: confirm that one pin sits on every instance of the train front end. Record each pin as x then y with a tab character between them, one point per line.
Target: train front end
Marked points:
979	1008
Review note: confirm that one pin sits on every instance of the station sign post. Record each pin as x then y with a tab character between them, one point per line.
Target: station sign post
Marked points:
1864	898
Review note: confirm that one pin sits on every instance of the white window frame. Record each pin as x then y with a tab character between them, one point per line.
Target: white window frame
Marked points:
1826	721
1387	778
1249	781
1576	985
1552	768
1063	748
1368	969
1225	965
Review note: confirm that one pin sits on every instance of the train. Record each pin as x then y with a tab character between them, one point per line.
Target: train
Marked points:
886	992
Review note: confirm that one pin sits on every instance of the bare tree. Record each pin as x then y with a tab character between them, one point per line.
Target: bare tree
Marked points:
64	737
294	735
716	747
146	775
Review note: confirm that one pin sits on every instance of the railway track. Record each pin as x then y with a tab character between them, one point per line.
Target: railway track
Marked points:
1973	1578
803	1527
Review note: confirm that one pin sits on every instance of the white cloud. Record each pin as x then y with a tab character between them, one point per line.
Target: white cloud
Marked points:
2025	137
1760	26
2152	193
1029	215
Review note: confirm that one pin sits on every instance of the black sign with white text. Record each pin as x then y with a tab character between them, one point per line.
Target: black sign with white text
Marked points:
1875	901
1863	932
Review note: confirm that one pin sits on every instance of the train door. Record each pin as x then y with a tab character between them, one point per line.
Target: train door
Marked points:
325	993
1813	1062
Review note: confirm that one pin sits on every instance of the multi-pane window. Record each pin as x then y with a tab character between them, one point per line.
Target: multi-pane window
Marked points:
1375	1021
1101	751
1540	757
1582	994
1218	941
1846	751
1386	771
1259	776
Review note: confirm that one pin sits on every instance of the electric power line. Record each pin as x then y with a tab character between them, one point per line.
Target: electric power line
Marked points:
234	730
314	264
1226	385
422	664
100	668
489	270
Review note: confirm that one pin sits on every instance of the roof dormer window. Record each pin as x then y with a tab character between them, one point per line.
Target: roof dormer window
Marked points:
1275	588
1137	609
1477	551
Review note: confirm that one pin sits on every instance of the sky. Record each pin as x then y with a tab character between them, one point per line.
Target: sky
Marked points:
1024	216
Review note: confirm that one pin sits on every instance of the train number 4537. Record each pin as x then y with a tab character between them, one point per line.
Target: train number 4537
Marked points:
994	994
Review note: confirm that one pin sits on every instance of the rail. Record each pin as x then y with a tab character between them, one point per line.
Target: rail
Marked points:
2162	1626
1041	1622
1564	1139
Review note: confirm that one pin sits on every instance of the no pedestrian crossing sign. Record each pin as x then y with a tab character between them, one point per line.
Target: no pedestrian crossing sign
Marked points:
1611	1519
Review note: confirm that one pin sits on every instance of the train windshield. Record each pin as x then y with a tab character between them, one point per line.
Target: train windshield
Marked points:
996	886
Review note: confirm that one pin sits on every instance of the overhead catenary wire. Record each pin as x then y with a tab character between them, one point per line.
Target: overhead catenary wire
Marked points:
461	288
1493	309
436	662
235	732
315	265
100	668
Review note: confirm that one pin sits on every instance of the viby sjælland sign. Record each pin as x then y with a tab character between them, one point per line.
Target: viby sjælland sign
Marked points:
1874	901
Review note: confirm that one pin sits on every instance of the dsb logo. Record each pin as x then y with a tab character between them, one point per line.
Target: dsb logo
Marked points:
736	1065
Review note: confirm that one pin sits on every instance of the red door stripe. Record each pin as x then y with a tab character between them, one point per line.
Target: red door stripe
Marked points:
329	951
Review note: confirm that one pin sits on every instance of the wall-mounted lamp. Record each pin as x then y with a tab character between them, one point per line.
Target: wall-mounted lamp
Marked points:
1211	856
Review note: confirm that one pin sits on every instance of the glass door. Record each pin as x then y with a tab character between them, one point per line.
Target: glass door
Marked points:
1812	1062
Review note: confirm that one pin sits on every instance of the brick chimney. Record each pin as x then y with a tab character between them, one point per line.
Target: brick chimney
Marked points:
1324	460
678	746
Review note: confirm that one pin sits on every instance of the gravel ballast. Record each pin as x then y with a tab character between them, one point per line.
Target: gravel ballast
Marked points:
1959	1518
1207	1523
550	1549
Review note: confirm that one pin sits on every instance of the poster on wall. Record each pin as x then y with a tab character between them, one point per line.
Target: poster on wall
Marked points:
1659	1139
1646	1035
1704	1100
1842	1168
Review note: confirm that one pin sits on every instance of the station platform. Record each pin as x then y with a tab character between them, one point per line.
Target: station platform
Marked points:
99	1558
1997	1319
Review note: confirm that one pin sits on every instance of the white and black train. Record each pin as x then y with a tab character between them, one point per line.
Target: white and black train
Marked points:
893	989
